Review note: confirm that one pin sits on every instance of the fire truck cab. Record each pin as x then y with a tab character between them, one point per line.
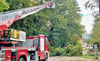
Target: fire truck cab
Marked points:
14	46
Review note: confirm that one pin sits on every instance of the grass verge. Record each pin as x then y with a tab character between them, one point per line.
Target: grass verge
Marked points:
91	57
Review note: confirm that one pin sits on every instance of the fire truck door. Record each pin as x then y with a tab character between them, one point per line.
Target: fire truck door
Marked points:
8	55
42	48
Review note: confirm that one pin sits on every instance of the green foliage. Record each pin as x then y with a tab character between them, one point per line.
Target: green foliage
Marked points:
56	51
17	4
97	20
96	33
69	50
3	5
89	57
91	54
72	50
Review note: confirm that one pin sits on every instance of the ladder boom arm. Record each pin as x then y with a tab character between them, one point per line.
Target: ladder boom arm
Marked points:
7	18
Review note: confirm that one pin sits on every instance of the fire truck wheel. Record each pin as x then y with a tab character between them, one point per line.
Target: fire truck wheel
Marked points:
22	59
46	57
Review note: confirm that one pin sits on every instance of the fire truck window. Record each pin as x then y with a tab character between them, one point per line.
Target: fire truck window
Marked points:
35	42
0	47
42	44
5	45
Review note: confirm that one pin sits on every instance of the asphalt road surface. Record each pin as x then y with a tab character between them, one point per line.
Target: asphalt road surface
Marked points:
64	58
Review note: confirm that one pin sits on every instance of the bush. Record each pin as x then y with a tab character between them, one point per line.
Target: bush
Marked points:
56	51
72	50
69	50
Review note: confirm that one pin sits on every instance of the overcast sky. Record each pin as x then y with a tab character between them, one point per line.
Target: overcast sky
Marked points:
87	20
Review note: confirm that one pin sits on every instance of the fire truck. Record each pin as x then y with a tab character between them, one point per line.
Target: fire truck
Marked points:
14	45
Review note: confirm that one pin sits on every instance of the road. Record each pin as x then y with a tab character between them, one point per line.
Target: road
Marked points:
63	58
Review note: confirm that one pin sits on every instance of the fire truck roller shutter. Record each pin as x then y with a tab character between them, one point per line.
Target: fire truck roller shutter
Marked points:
31	43
28	43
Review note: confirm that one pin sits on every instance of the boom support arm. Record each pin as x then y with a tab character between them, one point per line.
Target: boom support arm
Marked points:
7	18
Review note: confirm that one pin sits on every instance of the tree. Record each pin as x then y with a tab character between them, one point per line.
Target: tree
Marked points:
17	4
3	5
96	33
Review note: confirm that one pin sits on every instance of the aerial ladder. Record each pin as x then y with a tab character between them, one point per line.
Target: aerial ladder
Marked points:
8	18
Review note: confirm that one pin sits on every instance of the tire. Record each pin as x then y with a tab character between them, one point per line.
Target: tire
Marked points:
22	59
38	58
46	57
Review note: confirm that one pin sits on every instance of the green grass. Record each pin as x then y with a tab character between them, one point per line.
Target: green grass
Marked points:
91	57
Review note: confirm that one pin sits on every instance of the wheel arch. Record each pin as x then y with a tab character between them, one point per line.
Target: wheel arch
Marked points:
46	52
23	56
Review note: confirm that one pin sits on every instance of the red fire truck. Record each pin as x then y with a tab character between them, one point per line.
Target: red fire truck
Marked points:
14	45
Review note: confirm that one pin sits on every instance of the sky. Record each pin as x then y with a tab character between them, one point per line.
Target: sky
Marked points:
87	19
